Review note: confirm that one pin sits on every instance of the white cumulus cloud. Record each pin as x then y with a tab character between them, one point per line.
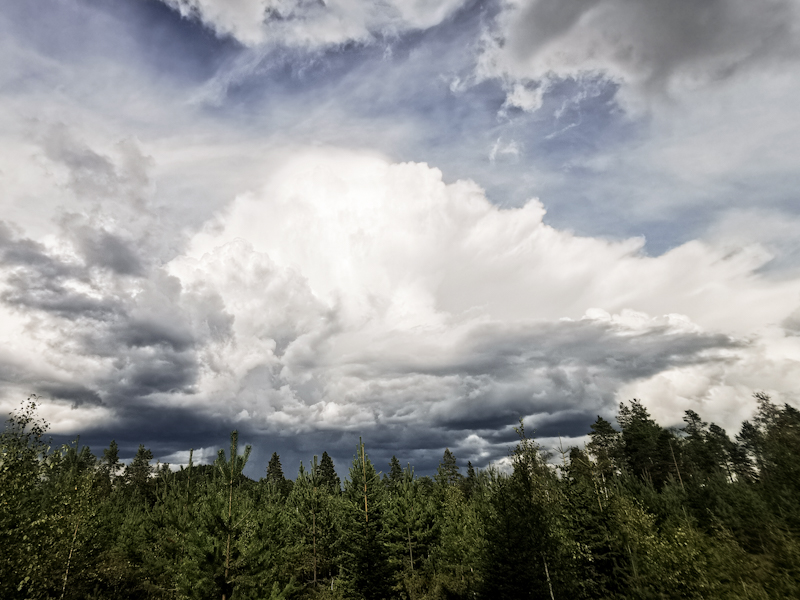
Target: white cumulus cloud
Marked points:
366	292
314	23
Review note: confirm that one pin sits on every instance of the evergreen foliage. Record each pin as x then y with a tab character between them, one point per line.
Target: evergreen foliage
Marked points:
369	571
447	474
644	512
275	475
395	475
327	474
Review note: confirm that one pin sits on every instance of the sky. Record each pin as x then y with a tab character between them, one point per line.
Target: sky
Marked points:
411	221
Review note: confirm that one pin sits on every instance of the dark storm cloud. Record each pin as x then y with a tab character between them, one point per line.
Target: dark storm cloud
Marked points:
109	251
656	40
77	394
157	372
152	351
36	279
560	375
544	21
24	253
502	350
163	429
142	333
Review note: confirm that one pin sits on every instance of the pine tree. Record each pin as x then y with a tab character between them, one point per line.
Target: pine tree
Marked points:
707	450
231	472
640	435
521	559
110	463
395	475
469	483
586	507
369	570
447	474
604	446
138	475
275	475
410	521
315	528
327	474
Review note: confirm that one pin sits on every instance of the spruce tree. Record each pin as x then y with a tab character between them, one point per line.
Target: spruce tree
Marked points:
605	447
138	475
110	463
447	474
469	483
275	475
456	551
640	441
327	474
395	475
314	526
521	559
369	570
221	542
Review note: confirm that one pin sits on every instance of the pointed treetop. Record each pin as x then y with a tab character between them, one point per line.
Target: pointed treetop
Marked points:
327	474
395	475
447	473
469	482
111	455
232	467
274	470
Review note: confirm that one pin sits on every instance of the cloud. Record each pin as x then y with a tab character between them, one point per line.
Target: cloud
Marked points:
315	23
149	297
350	295
650	45
368	296
524	98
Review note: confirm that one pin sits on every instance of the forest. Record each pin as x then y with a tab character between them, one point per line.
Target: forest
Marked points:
641	511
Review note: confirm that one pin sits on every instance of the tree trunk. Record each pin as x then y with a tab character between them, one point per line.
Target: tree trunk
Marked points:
550	585
228	547
69	559
410	553
364	465
314	541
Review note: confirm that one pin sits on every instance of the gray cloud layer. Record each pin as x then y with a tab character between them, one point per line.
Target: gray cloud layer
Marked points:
651	43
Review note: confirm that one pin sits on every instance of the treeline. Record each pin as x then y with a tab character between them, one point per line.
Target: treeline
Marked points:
641	512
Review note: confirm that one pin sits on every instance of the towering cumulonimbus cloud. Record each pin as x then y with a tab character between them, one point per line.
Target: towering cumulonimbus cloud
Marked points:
352	294
365	293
